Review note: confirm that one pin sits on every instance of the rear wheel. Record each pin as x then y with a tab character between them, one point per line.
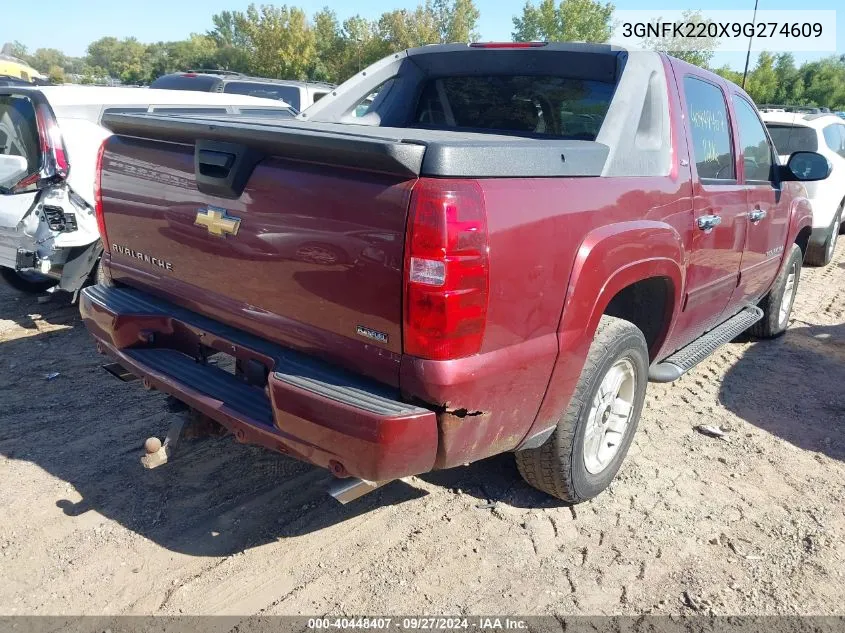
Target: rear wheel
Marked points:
583	455
777	305
821	254
27	281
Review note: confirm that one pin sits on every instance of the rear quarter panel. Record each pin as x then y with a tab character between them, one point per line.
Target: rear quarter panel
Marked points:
559	251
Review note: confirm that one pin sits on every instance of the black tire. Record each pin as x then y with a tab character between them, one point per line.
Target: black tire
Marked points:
773	324
821	254
30	283
558	466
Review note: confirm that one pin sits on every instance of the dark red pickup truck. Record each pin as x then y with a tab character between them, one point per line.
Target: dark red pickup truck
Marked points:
496	254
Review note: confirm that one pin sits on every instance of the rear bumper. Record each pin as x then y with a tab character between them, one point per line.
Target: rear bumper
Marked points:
17	250
309	409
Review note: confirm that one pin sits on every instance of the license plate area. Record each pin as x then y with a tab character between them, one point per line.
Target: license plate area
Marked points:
223	362
248	370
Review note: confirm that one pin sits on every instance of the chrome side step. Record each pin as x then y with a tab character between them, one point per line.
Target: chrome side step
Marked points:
688	357
346	490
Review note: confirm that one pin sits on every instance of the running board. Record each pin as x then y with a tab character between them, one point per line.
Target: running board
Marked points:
688	357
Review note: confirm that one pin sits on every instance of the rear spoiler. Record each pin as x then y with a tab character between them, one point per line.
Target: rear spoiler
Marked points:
404	152
277	139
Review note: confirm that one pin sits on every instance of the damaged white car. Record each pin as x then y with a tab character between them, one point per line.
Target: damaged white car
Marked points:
49	144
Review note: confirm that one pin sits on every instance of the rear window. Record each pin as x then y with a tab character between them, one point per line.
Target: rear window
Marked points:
789	139
555	107
19	130
200	83
288	94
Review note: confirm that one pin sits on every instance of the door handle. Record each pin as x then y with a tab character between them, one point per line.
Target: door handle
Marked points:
756	215
707	222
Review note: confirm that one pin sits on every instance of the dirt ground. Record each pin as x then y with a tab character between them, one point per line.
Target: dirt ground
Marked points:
750	524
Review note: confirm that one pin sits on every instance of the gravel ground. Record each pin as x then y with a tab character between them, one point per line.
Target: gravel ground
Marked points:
749	524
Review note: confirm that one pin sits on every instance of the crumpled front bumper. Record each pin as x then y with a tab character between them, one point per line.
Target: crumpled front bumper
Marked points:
308	408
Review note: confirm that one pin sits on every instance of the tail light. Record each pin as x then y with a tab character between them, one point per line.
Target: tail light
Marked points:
446	270
98	197
54	164
508	44
52	143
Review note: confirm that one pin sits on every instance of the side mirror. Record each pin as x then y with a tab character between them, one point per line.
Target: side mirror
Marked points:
12	169
806	167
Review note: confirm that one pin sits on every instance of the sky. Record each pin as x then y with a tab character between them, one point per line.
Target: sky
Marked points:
71	26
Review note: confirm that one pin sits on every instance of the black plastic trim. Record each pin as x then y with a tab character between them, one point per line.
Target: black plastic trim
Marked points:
534	158
215	383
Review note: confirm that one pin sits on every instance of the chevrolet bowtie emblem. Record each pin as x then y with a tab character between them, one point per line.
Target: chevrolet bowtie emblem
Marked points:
218	221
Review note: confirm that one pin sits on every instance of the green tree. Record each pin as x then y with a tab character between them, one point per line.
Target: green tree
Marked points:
762	82
790	86
56	74
45	58
697	51
571	20
125	59
824	82
457	21
329	44
279	40
229	34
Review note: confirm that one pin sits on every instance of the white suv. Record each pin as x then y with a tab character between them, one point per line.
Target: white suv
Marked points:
825	134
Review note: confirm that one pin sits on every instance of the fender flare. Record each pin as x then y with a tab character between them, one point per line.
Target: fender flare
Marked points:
613	257
609	259
800	218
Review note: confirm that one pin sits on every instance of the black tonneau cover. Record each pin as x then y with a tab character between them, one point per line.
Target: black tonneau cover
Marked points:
400	151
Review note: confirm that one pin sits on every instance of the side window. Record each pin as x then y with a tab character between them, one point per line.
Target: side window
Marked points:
756	151
365	105
834	137
19	130
707	114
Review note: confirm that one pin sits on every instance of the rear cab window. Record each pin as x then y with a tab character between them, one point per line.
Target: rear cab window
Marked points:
19	130
707	113
200	83
542	106
288	94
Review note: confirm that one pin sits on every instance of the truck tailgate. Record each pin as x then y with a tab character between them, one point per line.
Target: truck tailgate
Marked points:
309	254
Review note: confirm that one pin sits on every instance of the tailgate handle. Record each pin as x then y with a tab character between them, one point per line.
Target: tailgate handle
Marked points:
216	164
223	169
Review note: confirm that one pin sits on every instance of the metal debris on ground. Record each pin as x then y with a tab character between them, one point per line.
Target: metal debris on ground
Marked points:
710	431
